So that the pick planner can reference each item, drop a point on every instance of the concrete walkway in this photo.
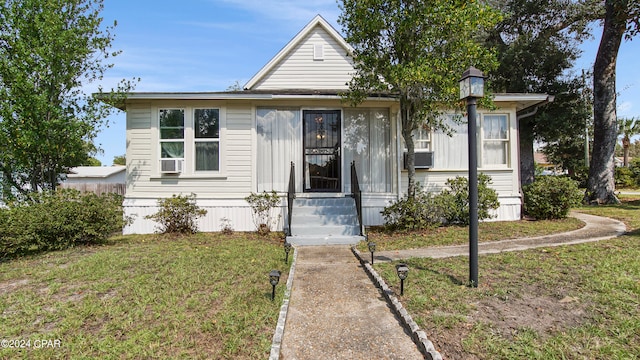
(335, 311)
(596, 228)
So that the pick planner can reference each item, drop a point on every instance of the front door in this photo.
(322, 146)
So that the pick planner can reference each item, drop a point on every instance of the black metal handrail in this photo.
(291, 194)
(357, 194)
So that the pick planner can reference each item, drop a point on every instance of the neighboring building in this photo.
(97, 179)
(548, 168)
(222, 146)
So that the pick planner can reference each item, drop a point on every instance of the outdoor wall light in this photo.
(287, 248)
(402, 270)
(372, 249)
(274, 278)
(471, 88)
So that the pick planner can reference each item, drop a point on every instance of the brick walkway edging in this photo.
(282, 318)
(419, 337)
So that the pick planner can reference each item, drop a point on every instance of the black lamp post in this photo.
(274, 278)
(402, 270)
(471, 88)
(372, 249)
(287, 248)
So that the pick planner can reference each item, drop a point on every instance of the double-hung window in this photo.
(422, 139)
(190, 140)
(172, 134)
(206, 130)
(495, 140)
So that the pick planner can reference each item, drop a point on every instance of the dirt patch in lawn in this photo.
(8, 286)
(545, 315)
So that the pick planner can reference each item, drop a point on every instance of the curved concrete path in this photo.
(336, 312)
(596, 228)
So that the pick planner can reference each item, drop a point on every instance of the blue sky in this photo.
(208, 45)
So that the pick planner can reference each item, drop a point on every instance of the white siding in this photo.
(299, 70)
(144, 179)
(237, 211)
(505, 182)
(139, 145)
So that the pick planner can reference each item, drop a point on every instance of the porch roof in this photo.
(522, 101)
(290, 94)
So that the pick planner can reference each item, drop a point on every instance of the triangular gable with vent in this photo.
(317, 58)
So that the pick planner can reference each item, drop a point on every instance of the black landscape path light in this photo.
(472, 88)
(402, 270)
(372, 249)
(274, 278)
(287, 248)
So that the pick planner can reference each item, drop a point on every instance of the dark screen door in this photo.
(322, 150)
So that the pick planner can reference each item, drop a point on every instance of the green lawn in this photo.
(457, 235)
(204, 296)
(570, 302)
(208, 296)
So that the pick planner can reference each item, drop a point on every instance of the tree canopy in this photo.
(49, 52)
(416, 50)
(537, 45)
(120, 160)
(627, 128)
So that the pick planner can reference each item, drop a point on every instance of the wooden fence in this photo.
(118, 188)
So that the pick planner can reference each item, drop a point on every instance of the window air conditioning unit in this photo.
(424, 160)
(171, 166)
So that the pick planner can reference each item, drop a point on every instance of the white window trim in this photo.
(481, 142)
(184, 133)
(417, 139)
(189, 143)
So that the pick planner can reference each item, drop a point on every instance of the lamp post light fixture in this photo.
(402, 270)
(372, 249)
(274, 278)
(287, 248)
(471, 88)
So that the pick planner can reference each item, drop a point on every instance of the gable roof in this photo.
(95, 171)
(317, 21)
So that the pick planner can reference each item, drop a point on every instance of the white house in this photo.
(222, 146)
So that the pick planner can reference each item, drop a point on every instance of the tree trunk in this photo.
(527, 161)
(626, 143)
(601, 185)
(407, 130)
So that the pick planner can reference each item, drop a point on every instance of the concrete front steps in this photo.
(324, 221)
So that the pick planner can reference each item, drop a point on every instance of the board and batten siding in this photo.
(299, 70)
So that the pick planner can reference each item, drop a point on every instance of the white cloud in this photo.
(299, 12)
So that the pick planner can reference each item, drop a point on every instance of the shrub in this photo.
(551, 197)
(455, 200)
(226, 227)
(177, 215)
(57, 220)
(580, 174)
(262, 205)
(416, 213)
(624, 177)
